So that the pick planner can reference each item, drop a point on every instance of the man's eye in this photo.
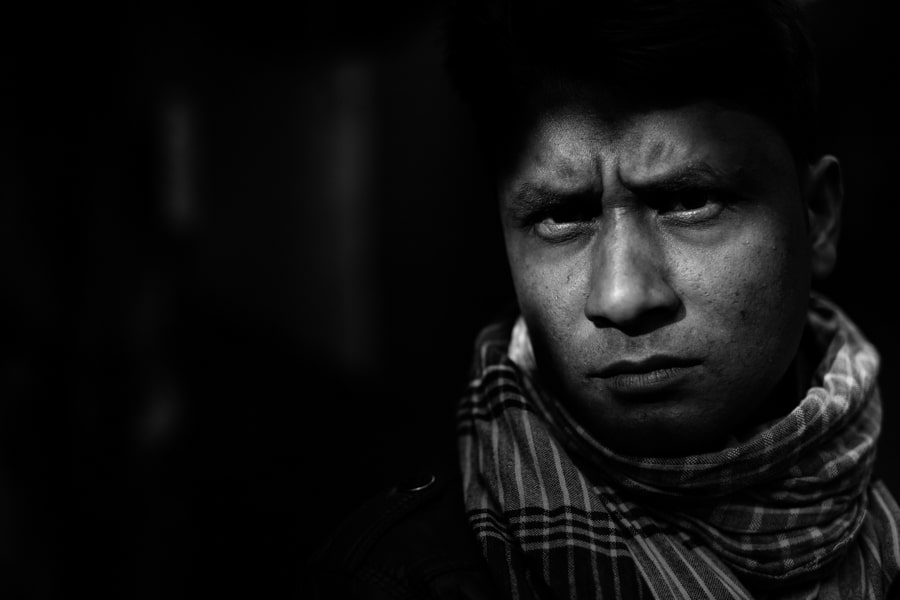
(689, 207)
(562, 222)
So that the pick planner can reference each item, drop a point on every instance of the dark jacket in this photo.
(410, 542)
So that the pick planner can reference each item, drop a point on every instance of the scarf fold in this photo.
(787, 512)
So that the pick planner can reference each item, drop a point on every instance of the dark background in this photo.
(244, 256)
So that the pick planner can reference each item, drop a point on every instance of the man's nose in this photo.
(629, 279)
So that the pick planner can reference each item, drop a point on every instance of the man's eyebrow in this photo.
(689, 176)
(529, 196)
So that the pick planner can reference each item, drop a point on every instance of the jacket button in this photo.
(418, 482)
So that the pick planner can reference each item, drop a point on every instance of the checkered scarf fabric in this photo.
(789, 512)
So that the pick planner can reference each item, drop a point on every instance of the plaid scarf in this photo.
(788, 512)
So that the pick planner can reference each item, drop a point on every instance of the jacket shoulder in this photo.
(410, 541)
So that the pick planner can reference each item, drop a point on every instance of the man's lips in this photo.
(651, 374)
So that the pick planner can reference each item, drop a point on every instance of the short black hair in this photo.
(511, 58)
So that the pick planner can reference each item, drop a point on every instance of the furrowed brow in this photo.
(689, 176)
(529, 197)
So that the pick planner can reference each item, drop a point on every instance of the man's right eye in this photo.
(563, 222)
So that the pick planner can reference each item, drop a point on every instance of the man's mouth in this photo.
(646, 375)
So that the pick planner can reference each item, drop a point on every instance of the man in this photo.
(672, 412)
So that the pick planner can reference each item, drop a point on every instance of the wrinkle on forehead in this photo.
(577, 150)
(567, 148)
(728, 141)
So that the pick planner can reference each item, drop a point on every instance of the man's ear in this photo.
(824, 196)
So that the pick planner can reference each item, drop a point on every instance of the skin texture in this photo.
(689, 235)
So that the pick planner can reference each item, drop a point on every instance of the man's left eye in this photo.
(689, 206)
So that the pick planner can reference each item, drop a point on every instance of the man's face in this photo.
(662, 264)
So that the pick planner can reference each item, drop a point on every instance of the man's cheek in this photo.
(745, 313)
(728, 279)
(546, 286)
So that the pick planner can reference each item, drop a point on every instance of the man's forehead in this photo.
(575, 148)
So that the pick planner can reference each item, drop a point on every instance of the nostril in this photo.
(643, 322)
